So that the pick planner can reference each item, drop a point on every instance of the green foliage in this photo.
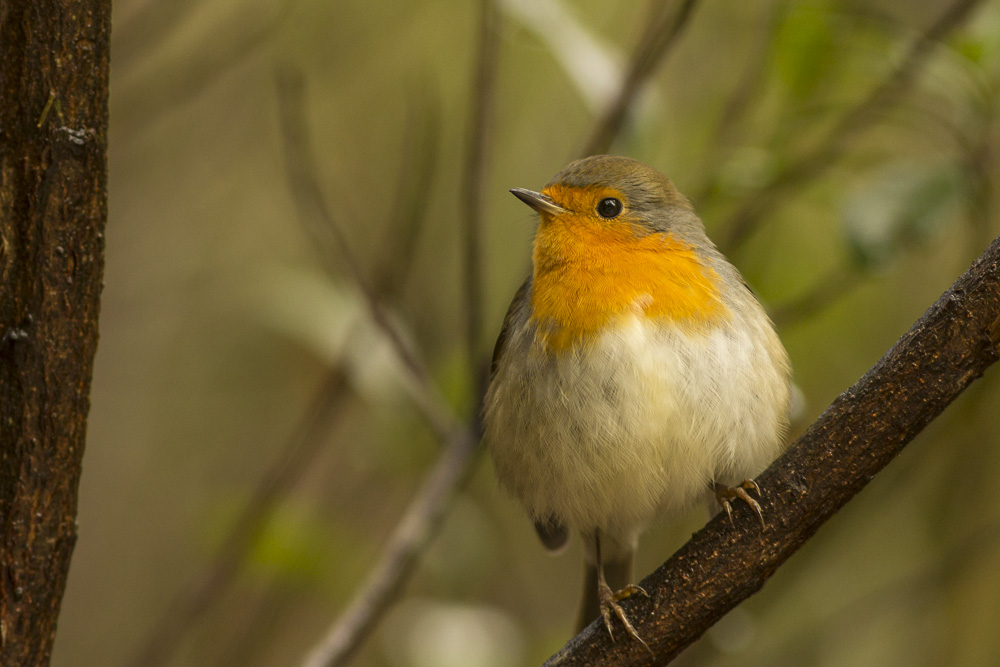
(897, 206)
(805, 52)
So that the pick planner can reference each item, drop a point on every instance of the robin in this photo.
(635, 372)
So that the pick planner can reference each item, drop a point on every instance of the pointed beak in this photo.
(538, 201)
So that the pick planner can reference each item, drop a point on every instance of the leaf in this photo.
(902, 204)
(805, 48)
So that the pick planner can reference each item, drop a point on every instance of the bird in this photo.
(635, 374)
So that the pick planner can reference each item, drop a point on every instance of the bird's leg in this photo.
(608, 599)
(724, 494)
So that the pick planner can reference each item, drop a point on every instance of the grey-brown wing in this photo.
(551, 531)
(512, 312)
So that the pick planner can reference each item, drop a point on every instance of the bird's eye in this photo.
(609, 207)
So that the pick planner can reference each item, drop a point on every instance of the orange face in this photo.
(590, 271)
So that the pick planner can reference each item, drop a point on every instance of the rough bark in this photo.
(53, 207)
(862, 430)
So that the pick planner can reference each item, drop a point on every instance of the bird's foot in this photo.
(608, 601)
(725, 494)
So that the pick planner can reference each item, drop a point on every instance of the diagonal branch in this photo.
(865, 428)
(428, 508)
(662, 33)
(745, 93)
(473, 188)
(304, 443)
(311, 432)
(328, 230)
(814, 163)
(399, 556)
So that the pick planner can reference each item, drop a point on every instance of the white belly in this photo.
(644, 422)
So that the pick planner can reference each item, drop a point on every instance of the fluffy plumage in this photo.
(635, 368)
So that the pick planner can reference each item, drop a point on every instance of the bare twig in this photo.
(408, 540)
(661, 34)
(867, 426)
(474, 186)
(838, 282)
(145, 95)
(417, 170)
(425, 512)
(311, 431)
(741, 99)
(813, 163)
(305, 441)
(328, 231)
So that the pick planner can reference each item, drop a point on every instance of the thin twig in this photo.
(426, 511)
(415, 182)
(661, 34)
(838, 282)
(813, 163)
(320, 222)
(739, 102)
(419, 524)
(304, 443)
(311, 431)
(474, 186)
(862, 431)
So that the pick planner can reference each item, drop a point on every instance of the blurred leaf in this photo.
(969, 47)
(426, 633)
(805, 48)
(334, 323)
(898, 206)
(296, 546)
(594, 67)
(979, 42)
(750, 168)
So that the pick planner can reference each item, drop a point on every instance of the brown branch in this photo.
(414, 531)
(814, 163)
(312, 429)
(662, 33)
(304, 443)
(417, 169)
(53, 209)
(473, 189)
(425, 512)
(865, 428)
(146, 96)
(328, 231)
(746, 91)
(835, 284)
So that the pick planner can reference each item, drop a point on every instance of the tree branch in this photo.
(328, 231)
(54, 59)
(473, 189)
(664, 29)
(399, 556)
(311, 431)
(304, 444)
(862, 430)
(814, 163)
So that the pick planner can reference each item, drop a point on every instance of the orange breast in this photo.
(588, 274)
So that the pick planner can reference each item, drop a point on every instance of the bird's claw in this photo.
(724, 494)
(609, 604)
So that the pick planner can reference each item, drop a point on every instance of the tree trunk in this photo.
(53, 207)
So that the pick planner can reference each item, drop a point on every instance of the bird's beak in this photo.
(538, 201)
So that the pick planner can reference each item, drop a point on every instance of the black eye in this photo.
(609, 207)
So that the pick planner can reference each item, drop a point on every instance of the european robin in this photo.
(635, 373)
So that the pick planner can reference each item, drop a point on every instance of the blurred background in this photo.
(229, 320)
